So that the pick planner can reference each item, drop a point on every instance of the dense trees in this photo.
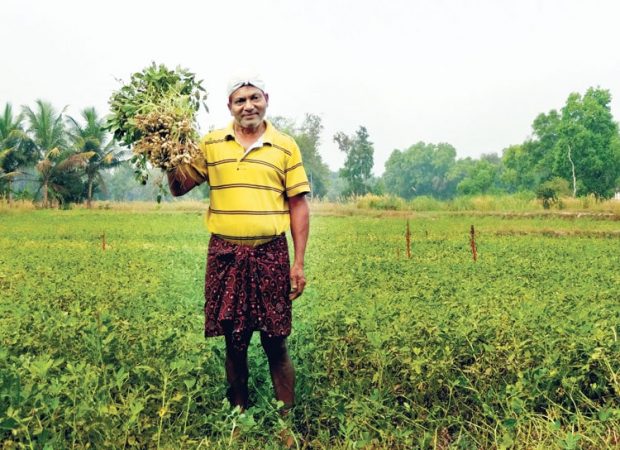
(422, 169)
(62, 156)
(579, 144)
(587, 152)
(482, 176)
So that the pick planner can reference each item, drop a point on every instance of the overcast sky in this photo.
(470, 73)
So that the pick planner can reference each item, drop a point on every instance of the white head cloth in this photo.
(240, 81)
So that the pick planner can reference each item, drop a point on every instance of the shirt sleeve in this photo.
(198, 169)
(296, 180)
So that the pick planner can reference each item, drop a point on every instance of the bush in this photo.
(550, 191)
(426, 203)
(382, 202)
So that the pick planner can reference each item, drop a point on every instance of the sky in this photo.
(474, 74)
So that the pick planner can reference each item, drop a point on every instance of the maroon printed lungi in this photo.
(247, 288)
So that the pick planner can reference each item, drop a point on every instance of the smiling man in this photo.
(257, 192)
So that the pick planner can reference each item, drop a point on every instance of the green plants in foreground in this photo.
(519, 350)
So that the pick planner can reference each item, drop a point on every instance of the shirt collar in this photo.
(267, 136)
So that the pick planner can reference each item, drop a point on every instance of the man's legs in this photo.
(237, 371)
(281, 368)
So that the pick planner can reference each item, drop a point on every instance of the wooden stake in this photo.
(408, 240)
(472, 241)
(103, 241)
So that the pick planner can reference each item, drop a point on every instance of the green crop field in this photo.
(104, 348)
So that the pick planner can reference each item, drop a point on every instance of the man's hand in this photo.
(298, 281)
(184, 178)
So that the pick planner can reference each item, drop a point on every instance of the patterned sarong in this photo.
(248, 288)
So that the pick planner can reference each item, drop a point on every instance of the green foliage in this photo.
(550, 191)
(519, 174)
(357, 170)
(150, 90)
(422, 169)
(589, 144)
(469, 358)
(155, 113)
(46, 128)
(58, 164)
(16, 152)
(91, 137)
(427, 203)
(519, 349)
(520, 202)
(580, 144)
(60, 177)
(13, 150)
(381, 202)
(482, 178)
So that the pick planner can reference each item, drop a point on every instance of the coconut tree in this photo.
(15, 149)
(58, 162)
(92, 138)
(60, 174)
(47, 133)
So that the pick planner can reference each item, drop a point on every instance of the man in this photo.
(257, 191)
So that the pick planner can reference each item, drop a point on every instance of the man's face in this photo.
(248, 105)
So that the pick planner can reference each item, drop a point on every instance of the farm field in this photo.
(104, 348)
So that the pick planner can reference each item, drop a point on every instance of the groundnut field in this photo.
(399, 342)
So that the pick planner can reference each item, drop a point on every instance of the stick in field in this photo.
(472, 241)
(408, 240)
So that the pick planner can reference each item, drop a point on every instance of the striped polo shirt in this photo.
(250, 190)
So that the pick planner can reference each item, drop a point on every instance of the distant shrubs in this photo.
(513, 202)
(382, 202)
(552, 195)
(426, 203)
(521, 201)
(550, 192)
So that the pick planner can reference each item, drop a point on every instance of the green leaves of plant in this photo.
(145, 92)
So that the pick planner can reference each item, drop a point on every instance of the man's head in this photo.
(247, 101)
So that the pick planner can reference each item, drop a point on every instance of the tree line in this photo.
(55, 159)
(574, 151)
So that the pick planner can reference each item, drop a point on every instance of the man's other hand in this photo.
(298, 282)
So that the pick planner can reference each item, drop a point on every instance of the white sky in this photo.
(474, 74)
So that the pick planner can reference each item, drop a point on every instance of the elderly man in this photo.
(257, 191)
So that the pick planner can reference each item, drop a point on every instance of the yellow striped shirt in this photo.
(249, 192)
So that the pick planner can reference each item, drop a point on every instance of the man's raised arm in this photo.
(184, 178)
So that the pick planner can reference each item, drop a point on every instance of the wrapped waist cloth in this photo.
(247, 289)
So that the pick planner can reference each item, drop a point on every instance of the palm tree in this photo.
(9, 128)
(57, 161)
(93, 138)
(15, 151)
(59, 176)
